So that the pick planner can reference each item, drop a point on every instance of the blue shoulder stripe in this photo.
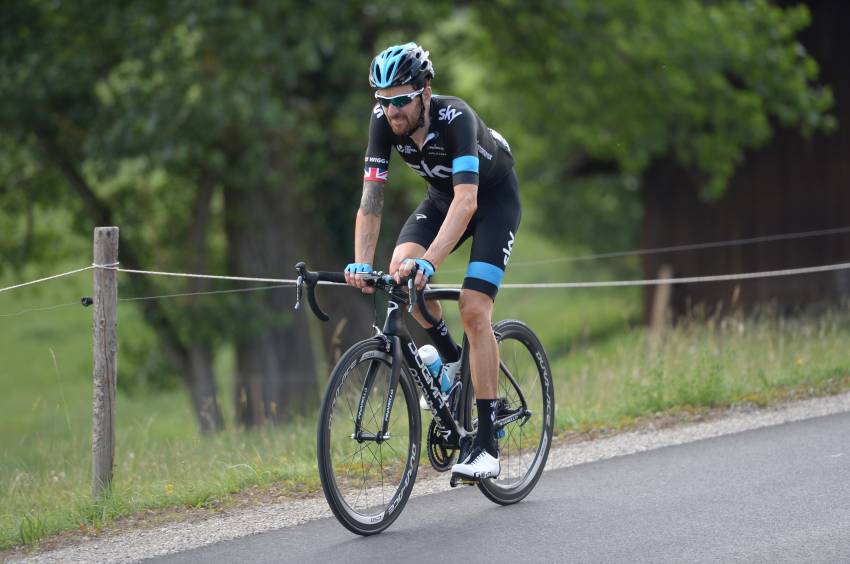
(467, 163)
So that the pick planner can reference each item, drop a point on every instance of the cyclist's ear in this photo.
(426, 94)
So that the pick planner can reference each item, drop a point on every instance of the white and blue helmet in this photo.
(399, 65)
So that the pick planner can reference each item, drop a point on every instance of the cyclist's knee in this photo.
(403, 251)
(476, 311)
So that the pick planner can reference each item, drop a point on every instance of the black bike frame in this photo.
(400, 345)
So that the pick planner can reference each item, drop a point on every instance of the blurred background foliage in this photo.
(227, 138)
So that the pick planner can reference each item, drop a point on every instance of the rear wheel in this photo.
(525, 387)
(367, 482)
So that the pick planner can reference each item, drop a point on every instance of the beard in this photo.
(403, 123)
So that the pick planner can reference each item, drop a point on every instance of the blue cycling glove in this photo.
(425, 267)
(358, 268)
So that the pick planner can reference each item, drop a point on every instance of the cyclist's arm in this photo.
(462, 140)
(461, 210)
(368, 223)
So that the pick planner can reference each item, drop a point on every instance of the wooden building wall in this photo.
(792, 184)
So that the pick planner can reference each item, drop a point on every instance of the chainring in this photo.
(440, 455)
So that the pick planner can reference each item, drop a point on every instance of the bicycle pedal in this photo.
(460, 480)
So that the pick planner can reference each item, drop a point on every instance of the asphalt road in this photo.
(776, 494)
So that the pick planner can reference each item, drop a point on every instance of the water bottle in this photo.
(434, 364)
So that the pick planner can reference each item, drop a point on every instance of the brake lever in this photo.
(299, 283)
(411, 289)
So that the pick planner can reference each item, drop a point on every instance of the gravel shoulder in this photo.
(194, 532)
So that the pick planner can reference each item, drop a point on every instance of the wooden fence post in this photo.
(105, 350)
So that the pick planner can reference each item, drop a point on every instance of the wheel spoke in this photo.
(398, 454)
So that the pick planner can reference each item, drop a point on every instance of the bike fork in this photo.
(359, 435)
(401, 351)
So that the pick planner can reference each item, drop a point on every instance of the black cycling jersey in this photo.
(459, 148)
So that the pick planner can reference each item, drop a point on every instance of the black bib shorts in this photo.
(493, 230)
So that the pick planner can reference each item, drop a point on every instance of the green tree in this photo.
(221, 137)
(611, 87)
(53, 58)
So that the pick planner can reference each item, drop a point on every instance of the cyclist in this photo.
(472, 192)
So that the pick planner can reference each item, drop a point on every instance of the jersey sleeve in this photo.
(380, 144)
(464, 132)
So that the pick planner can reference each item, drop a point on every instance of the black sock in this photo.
(446, 346)
(486, 436)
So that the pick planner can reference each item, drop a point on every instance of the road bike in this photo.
(369, 432)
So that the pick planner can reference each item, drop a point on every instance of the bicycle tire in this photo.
(522, 461)
(362, 507)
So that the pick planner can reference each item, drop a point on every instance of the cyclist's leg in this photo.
(496, 222)
(476, 311)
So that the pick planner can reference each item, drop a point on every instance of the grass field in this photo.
(606, 374)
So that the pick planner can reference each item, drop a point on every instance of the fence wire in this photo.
(288, 282)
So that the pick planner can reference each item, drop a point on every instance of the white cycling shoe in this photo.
(479, 465)
(451, 369)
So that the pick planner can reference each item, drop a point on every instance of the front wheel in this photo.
(525, 385)
(367, 482)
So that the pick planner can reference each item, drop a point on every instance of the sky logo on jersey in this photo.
(378, 111)
(448, 114)
(375, 174)
(438, 171)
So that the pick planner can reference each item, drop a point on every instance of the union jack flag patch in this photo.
(375, 174)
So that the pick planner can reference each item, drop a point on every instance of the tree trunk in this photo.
(253, 365)
(275, 369)
(202, 388)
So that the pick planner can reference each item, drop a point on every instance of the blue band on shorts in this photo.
(485, 271)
